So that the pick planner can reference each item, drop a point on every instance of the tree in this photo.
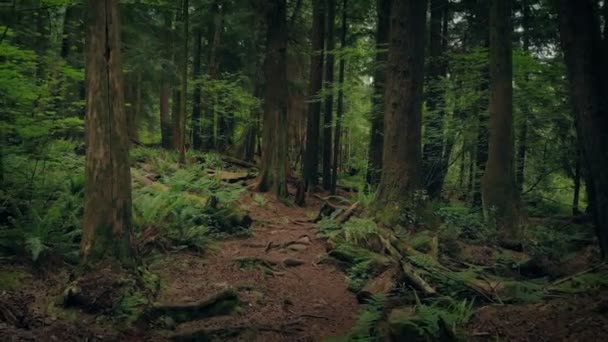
(197, 141)
(374, 167)
(586, 57)
(329, 101)
(499, 190)
(311, 154)
(165, 89)
(273, 175)
(340, 109)
(401, 163)
(522, 148)
(107, 210)
(181, 139)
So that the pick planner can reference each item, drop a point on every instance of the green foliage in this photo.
(358, 231)
(433, 316)
(365, 328)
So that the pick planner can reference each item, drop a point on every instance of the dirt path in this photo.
(307, 302)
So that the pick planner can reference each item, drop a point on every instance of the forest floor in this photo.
(286, 290)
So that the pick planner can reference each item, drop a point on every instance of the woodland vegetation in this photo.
(344, 170)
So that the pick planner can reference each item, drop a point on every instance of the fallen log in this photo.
(346, 215)
(237, 162)
(230, 176)
(222, 303)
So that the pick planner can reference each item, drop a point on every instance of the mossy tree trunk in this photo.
(586, 58)
(374, 166)
(273, 175)
(402, 164)
(197, 141)
(107, 208)
(500, 192)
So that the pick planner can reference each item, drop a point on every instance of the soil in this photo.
(579, 318)
(307, 302)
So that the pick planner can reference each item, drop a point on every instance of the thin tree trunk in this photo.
(273, 175)
(523, 132)
(197, 141)
(184, 91)
(402, 161)
(588, 74)
(329, 101)
(107, 206)
(374, 166)
(340, 109)
(311, 155)
(211, 141)
(165, 116)
(499, 190)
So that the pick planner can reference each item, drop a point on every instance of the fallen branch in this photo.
(238, 162)
(222, 303)
(345, 216)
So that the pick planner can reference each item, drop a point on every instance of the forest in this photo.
(303, 170)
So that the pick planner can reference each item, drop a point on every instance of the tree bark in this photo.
(402, 164)
(273, 174)
(329, 101)
(374, 166)
(311, 156)
(588, 74)
(210, 139)
(340, 109)
(107, 206)
(499, 190)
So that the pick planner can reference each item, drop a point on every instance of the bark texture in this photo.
(499, 190)
(402, 164)
(588, 76)
(107, 207)
(311, 155)
(273, 174)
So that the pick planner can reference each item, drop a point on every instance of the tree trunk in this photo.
(197, 141)
(402, 164)
(374, 166)
(311, 156)
(499, 191)
(181, 139)
(340, 109)
(273, 174)
(435, 166)
(329, 101)
(175, 108)
(523, 132)
(577, 184)
(588, 74)
(107, 207)
(166, 128)
(210, 140)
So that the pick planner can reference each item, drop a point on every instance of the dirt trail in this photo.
(307, 302)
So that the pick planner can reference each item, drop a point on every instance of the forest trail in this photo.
(284, 292)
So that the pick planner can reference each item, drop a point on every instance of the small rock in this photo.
(289, 262)
(297, 247)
